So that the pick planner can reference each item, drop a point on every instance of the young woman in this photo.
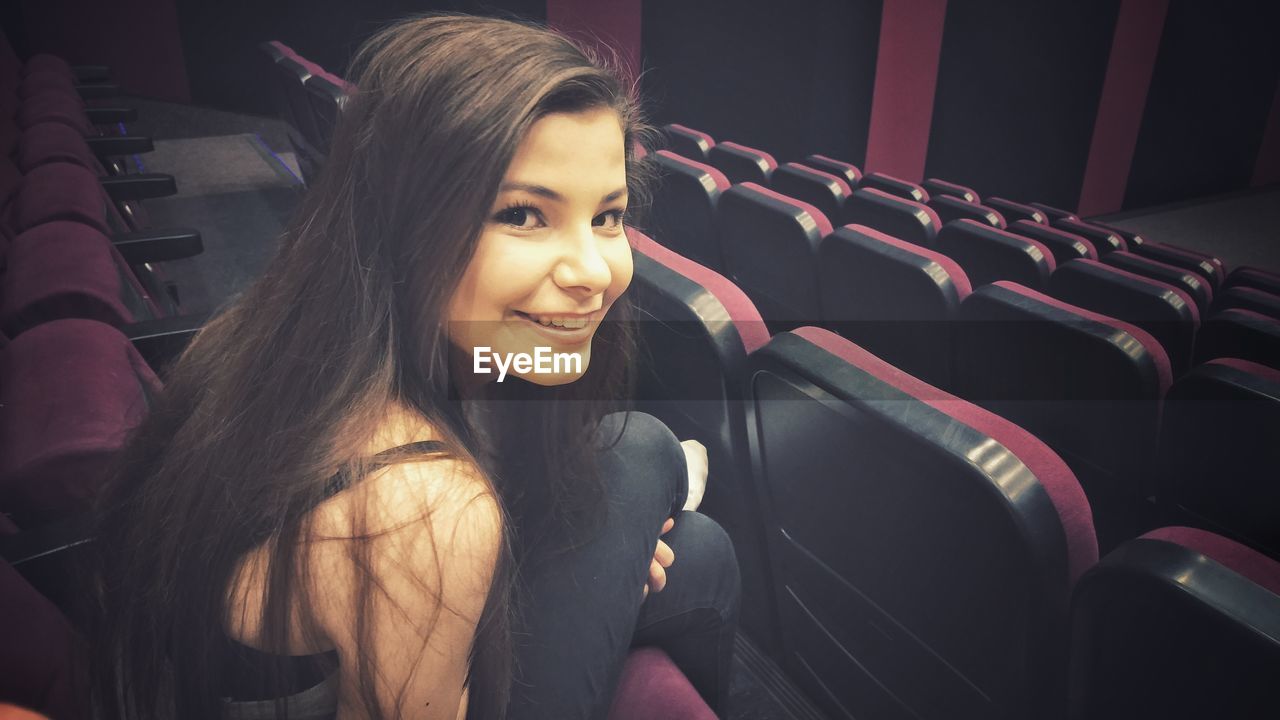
(331, 510)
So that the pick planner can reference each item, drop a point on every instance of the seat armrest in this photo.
(91, 73)
(159, 245)
(110, 115)
(162, 340)
(98, 91)
(114, 145)
(140, 186)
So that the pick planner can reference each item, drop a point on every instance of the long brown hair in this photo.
(287, 384)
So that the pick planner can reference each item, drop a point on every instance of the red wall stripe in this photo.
(1267, 169)
(610, 26)
(1124, 97)
(906, 76)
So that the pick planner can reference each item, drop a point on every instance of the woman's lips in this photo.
(560, 334)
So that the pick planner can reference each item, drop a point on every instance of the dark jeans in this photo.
(585, 608)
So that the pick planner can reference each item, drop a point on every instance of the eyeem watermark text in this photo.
(541, 362)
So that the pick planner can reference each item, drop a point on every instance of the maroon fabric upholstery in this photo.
(58, 270)
(69, 391)
(1053, 474)
(40, 81)
(37, 652)
(1239, 558)
(9, 134)
(745, 317)
(56, 107)
(1249, 298)
(59, 191)
(48, 142)
(44, 62)
(1265, 371)
(1254, 277)
(1199, 261)
(1163, 371)
(653, 688)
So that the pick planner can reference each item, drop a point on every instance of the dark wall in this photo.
(1017, 96)
(1214, 84)
(790, 78)
(220, 39)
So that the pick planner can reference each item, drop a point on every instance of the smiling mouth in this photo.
(565, 323)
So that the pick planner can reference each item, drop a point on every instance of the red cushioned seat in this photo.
(893, 298)
(770, 243)
(920, 541)
(697, 329)
(845, 171)
(1240, 333)
(38, 654)
(895, 186)
(1193, 284)
(1254, 277)
(653, 688)
(1247, 298)
(1065, 246)
(687, 142)
(1102, 239)
(69, 391)
(936, 188)
(988, 254)
(742, 164)
(904, 219)
(684, 203)
(1015, 211)
(822, 190)
(1177, 624)
(950, 207)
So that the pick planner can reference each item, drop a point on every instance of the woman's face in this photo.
(552, 257)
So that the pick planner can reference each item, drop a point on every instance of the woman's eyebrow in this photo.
(548, 193)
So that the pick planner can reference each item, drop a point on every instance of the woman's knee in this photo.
(704, 554)
(642, 443)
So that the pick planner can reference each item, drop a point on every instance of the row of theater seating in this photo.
(910, 554)
(87, 324)
(78, 298)
(1082, 354)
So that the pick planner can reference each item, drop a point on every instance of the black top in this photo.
(246, 670)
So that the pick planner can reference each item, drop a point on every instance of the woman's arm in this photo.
(434, 535)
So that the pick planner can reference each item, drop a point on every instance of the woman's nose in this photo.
(581, 266)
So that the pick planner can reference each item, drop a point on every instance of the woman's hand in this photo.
(663, 556)
(695, 456)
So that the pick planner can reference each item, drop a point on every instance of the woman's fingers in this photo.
(657, 576)
(664, 555)
(666, 526)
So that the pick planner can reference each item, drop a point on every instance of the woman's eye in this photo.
(611, 219)
(520, 216)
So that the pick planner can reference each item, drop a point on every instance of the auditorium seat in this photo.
(1015, 211)
(936, 188)
(950, 207)
(1179, 624)
(69, 391)
(925, 548)
(1193, 284)
(289, 73)
(697, 329)
(687, 142)
(906, 220)
(895, 186)
(1169, 314)
(849, 173)
(1247, 298)
(824, 191)
(893, 298)
(1239, 333)
(64, 269)
(1063, 245)
(651, 687)
(742, 164)
(326, 96)
(770, 243)
(39, 655)
(1254, 277)
(1103, 240)
(1088, 385)
(1053, 214)
(1218, 451)
(1207, 266)
(48, 142)
(988, 254)
(684, 203)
